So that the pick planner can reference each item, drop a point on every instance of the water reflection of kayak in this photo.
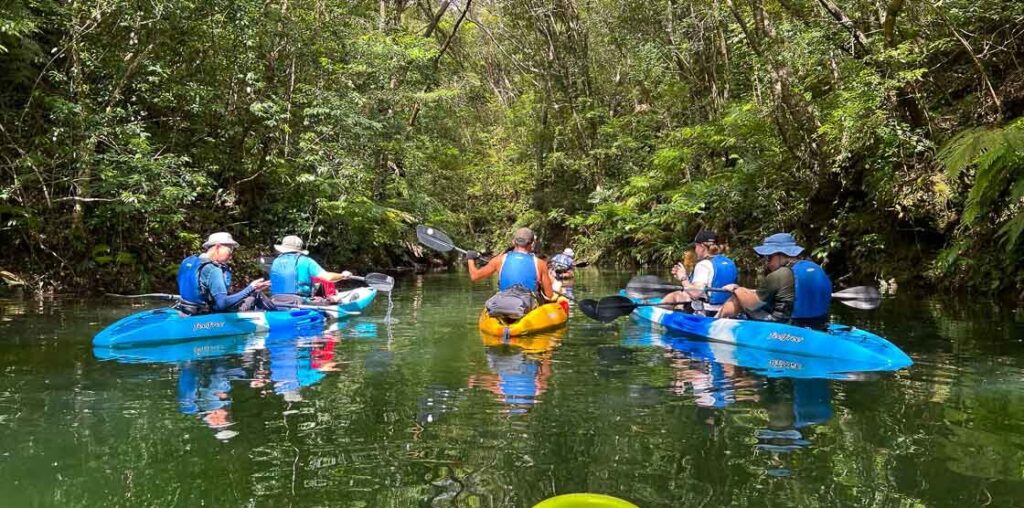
(760, 361)
(198, 349)
(537, 343)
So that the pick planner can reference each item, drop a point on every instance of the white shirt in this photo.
(703, 274)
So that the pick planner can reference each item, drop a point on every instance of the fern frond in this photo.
(1013, 228)
(960, 152)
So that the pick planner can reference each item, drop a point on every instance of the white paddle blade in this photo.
(380, 282)
(858, 293)
(861, 304)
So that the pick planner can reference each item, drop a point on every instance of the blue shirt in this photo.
(306, 269)
(212, 281)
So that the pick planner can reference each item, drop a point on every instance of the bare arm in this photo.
(489, 269)
(333, 276)
(545, 279)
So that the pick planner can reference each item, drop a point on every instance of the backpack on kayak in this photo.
(511, 304)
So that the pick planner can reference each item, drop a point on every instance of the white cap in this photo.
(568, 252)
(221, 238)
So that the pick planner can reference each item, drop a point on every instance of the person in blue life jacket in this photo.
(561, 271)
(518, 266)
(713, 269)
(562, 264)
(204, 281)
(796, 291)
(292, 273)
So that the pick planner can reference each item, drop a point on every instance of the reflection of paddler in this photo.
(290, 367)
(207, 393)
(713, 382)
(321, 355)
(809, 403)
(520, 368)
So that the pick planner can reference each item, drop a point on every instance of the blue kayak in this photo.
(169, 325)
(356, 300)
(839, 342)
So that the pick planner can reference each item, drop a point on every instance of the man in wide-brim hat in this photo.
(293, 275)
(205, 279)
(796, 291)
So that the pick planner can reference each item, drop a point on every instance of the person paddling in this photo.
(292, 274)
(204, 281)
(713, 269)
(561, 271)
(796, 291)
(520, 272)
(563, 264)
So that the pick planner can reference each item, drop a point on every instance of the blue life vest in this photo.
(725, 274)
(189, 287)
(561, 261)
(813, 291)
(284, 276)
(519, 268)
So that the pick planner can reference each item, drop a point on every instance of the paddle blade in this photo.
(858, 293)
(379, 281)
(607, 309)
(434, 238)
(860, 297)
(588, 307)
(265, 262)
(862, 304)
(649, 286)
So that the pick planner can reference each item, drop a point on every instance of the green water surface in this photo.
(425, 412)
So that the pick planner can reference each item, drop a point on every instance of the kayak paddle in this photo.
(162, 296)
(859, 297)
(437, 240)
(329, 310)
(378, 281)
(610, 308)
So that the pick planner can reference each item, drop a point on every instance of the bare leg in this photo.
(675, 299)
(742, 299)
(729, 309)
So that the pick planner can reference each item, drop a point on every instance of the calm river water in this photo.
(426, 412)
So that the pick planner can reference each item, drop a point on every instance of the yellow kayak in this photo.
(546, 317)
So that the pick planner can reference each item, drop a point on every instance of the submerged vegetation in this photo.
(887, 134)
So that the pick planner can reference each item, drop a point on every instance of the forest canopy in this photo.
(886, 134)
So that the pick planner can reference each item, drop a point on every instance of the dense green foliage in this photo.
(885, 133)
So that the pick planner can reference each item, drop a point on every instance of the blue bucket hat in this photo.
(779, 243)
